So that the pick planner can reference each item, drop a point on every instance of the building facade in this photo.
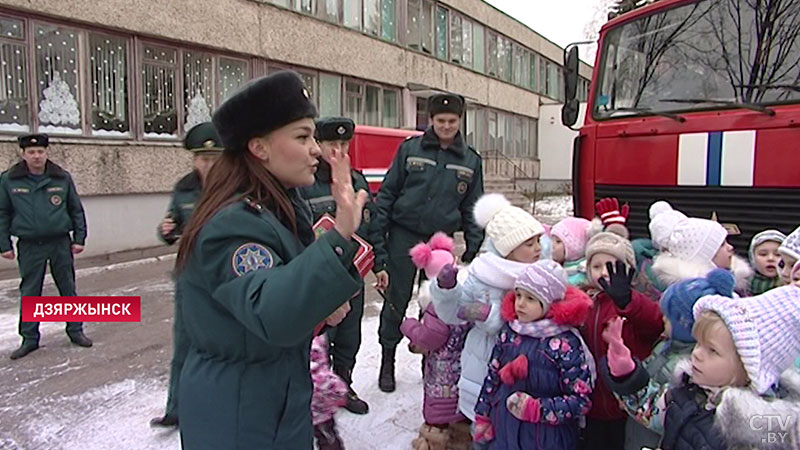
(117, 83)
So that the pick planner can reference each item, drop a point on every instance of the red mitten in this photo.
(610, 212)
(515, 370)
(524, 407)
(484, 432)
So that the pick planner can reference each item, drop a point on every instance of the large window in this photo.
(56, 51)
(233, 74)
(370, 104)
(330, 95)
(108, 69)
(160, 84)
(441, 32)
(14, 110)
(198, 91)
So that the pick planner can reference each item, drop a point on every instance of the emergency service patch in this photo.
(55, 200)
(461, 187)
(249, 257)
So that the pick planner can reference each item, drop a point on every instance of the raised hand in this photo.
(349, 205)
(619, 358)
(618, 285)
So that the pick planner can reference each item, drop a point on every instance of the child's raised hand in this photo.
(619, 358)
(618, 286)
(447, 277)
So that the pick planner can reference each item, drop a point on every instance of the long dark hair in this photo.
(235, 172)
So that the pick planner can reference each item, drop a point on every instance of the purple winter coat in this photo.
(443, 344)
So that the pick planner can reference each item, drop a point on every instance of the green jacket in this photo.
(254, 293)
(428, 189)
(47, 208)
(184, 198)
(320, 201)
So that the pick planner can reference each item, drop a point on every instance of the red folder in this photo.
(365, 257)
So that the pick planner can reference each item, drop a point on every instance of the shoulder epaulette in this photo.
(252, 205)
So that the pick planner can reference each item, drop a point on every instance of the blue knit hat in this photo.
(679, 299)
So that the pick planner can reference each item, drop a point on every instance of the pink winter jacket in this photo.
(443, 344)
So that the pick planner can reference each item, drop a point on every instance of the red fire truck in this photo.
(696, 102)
(372, 150)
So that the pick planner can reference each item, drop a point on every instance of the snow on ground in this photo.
(554, 208)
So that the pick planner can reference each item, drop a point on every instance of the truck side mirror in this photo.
(569, 112)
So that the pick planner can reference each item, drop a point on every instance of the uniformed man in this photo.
(203, 141)
(336, 133)
(40, 205)
(431, 186)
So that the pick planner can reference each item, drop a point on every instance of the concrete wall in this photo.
(555, 143)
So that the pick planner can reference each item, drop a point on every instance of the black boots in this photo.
(80, 339)
(386, 379)
(167, 421)
(24, 349)
(327, 437)
(354, 404)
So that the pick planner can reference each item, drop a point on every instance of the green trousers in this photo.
(33, 256)
(402, 274)
(345, 338)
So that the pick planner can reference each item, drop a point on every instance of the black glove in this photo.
(618, 287)
(467, 257)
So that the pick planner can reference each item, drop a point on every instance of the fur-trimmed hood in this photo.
(670, 270)
(750, 421)
(571, 311)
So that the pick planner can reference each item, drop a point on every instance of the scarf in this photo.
(545, 328)
(495, 271)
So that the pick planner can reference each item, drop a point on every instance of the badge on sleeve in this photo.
(249, 257)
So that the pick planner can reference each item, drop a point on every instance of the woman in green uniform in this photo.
(254, 280)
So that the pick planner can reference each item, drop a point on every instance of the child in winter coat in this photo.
(610, 267)
(764, 258)
(569, 238)
(442, 345)
(790, 255)
(692, 247)
(646, 280)
(512, 242)
(640, 384)
(330, 393)
(737, 375)
(541, 372)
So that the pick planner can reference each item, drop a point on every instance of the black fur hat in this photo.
(334, 129)
(261, 106)
(445, 103)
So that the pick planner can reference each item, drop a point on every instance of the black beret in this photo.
(34, 140)
(262, 105)
(334, 129)
(203, 138)
(445, 103)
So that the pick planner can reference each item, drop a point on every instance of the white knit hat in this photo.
(696, 239)
(765, 330)
(546, 280)
(507, 226)
(663, 219)
(760, 238)
(791, 245)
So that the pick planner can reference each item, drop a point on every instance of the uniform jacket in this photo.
(256, 291)
(428, 189)
(47, 208)
(184, 199)
(640, 333)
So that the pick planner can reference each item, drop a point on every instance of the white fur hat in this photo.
(663, 219)
(507, 226)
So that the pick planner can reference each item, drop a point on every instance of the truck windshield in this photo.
(727, 52)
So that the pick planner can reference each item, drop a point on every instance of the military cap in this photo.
(33, 140)
(203, 138)
(445, 103)
(334, 129)
(262, 105)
